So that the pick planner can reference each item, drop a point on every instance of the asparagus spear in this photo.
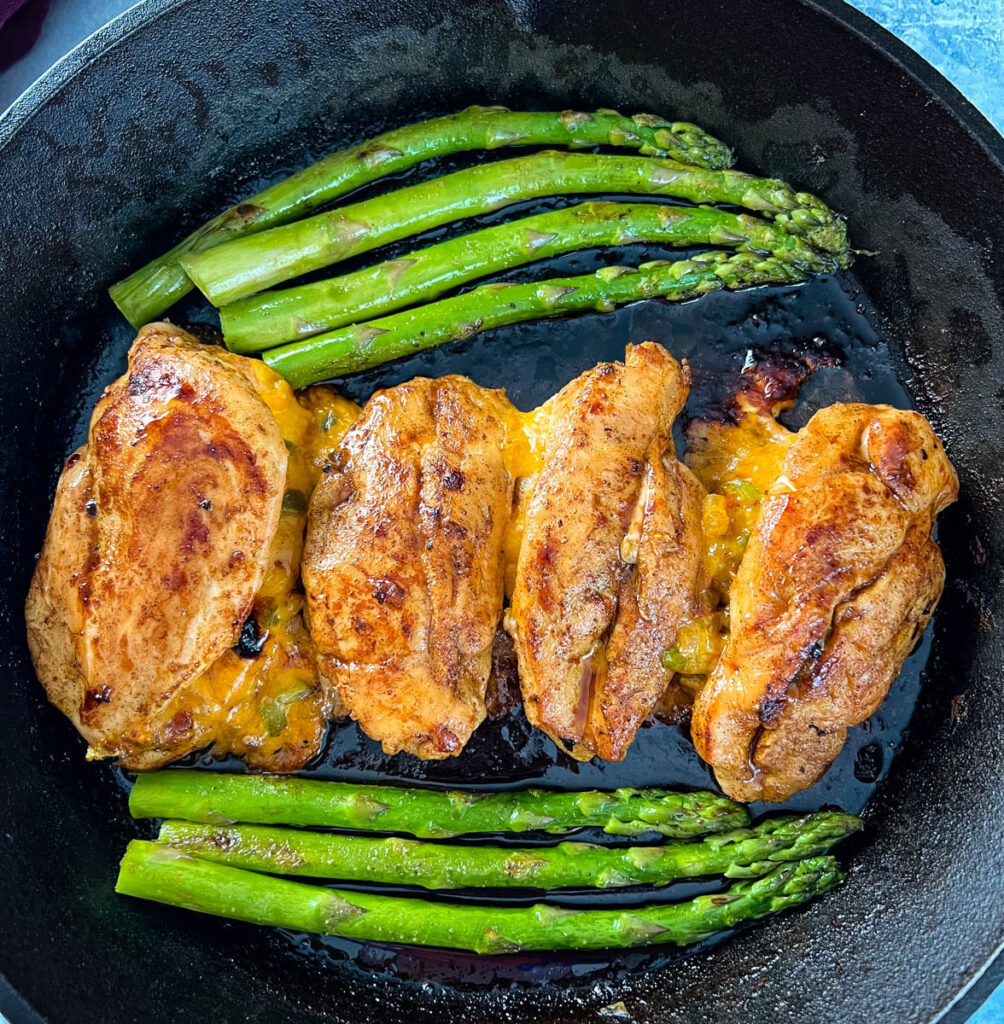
(361, 346)
(168, 875)
(744, 853)
(150, 290)
(247, 265)
(220, 799)
(271, 318)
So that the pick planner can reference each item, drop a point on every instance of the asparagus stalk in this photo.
(146, 293)
(247, 265)
(168, 875)
(271, 318)
(362, 346)
(744, 853)
(221, 799)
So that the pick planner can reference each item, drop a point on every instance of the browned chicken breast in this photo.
(610, 564)
(838, 581)
(170, 527)
(403, 567)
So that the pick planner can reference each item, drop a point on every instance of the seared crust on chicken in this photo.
(837, 584)
(610, 562)
(157, 543)
(403, 563)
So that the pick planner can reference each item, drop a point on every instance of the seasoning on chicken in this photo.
(403, 566)
(610, 564)
(175, 537)
(838, 581)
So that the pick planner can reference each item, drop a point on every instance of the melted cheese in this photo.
(270, 709)
(737, 464)
(522, 453)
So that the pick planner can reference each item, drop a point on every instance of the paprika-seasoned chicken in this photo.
(610, 564)
(165, 616)
(838, 581)
(181, 516)
(403, 566)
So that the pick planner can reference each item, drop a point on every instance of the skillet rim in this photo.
(986, 976)
(52, 81)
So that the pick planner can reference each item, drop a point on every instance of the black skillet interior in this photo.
(193, 106)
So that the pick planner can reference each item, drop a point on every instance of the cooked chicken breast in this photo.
(167, 525)
(610, 563)
(837, 583)
(403, 566)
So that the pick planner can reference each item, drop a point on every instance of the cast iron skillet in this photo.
(181, 106)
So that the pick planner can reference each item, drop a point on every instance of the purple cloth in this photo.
(20, 24)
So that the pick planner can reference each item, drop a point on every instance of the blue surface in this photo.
(963, 39)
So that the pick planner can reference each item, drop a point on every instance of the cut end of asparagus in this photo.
(144, 295)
